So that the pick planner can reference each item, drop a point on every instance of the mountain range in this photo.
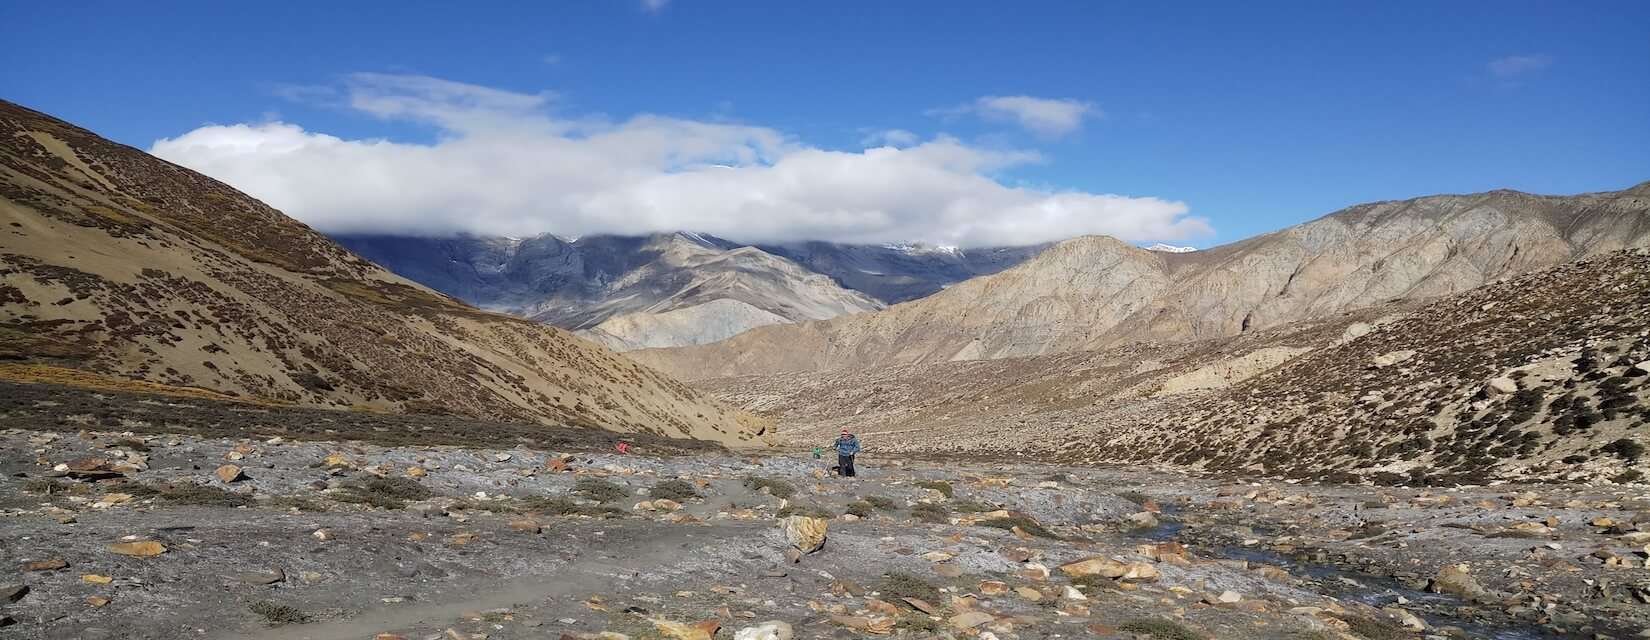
(675, 289)
(1096, 292)
(124, 272)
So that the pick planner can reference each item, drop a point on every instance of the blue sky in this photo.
(1215, 120)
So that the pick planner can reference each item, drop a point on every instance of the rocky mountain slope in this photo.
(1545, 375)
(1096, 292)
(625, 292)
(121, 271)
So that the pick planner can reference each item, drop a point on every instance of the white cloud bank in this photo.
(504, 165)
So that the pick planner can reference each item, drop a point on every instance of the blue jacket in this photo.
(847, 446)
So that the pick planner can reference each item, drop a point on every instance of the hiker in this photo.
(623, 447)
(847, 446)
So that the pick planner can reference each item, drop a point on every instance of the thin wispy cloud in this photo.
(552, 59)
(510, 163)
(1047, 117)
(890, 138)
(654, 6)
(1517, 66)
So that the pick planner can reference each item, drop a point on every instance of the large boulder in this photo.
(804, 533)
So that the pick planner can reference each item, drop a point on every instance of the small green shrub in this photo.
(898, 584)
(1024, 523)
(678, 490)
(278, 614)
(861, 508)
(202, 496)
(931, 513)
(384, 493)
(809, 510)
(881, 502)
(941, 486)
(918, 623)
(564, 506)
(1160, 629)
(972, 506)
(600, 490)
(777, 488)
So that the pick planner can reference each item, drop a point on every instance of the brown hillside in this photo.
(115, 265)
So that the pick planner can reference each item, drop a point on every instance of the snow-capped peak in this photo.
(922, 247)
(1169, 248)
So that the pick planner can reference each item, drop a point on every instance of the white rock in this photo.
(770, 630)
(1503, 385)
(1393, 357)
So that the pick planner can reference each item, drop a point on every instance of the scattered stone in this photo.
(875, 625)
(97, 602)
(1142, 520)
(92, 578)
(1392, 357)
(323, 534)
(261, 578)
(46, 565)
(1501, 386)
(969, 619)
(1454, 579)
(526, 526)
(1029, 593)
(140, 549)
(13, 592)
(922, 605)
(230, 473)
(703, 630)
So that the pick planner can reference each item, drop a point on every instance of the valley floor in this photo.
(316, 539)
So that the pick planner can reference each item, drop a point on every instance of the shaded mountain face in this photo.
(899, 273)
(121, 271)
(1097, 292)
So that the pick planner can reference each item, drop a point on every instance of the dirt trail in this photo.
(594, 571)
